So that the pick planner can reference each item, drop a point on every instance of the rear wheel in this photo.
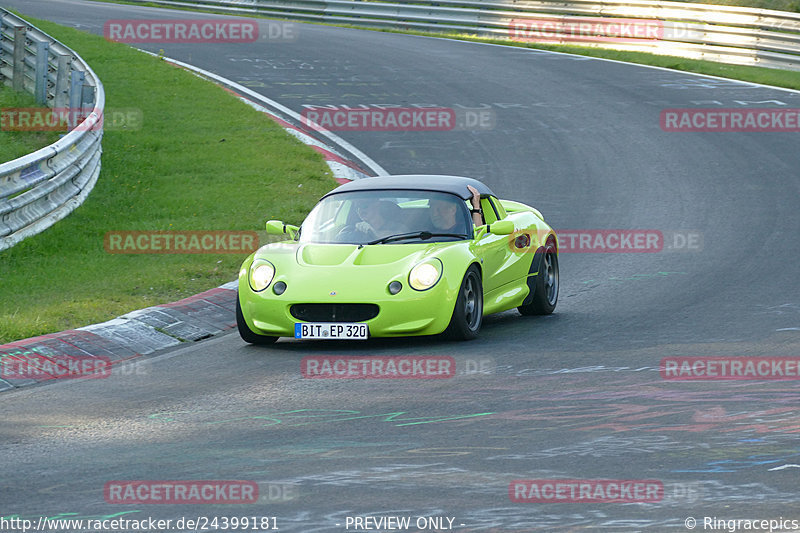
(545, 296)
(246, 333)
(468, 313)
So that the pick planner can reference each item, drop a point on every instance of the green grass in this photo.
(780, 5)
(14, 144)
(202, 160)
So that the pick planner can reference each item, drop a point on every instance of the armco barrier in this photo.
(740, 35)
(41, 188)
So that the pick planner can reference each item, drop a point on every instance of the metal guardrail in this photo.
(39, 189)
(739, 35)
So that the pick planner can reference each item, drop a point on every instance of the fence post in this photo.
(2, 59)
(18, 78)
(42, 67)
(77, 79)
(61, 90)
(88, 94)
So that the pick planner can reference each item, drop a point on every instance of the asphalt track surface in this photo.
(575, 395)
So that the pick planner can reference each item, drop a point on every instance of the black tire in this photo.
(246, 333)
(468, 313)
(545, 296)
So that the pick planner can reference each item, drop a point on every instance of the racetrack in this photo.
(575, 395)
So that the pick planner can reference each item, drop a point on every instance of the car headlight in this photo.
(261, 274)
(425, 275)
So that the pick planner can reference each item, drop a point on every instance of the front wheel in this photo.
(246, 333)
(468, 313)
(545, 296)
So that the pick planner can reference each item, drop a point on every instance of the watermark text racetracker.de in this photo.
(577, 29)
(181, 242)
(609, 241)
(377, 367)
(200, 31)
(555, 29)
(586, 491)
(69, 118)
(388, 117)
(181, 492)
(41, 367)
(730, 120)
(729, 368)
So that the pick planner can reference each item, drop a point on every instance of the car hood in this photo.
(377, 254)
(351, 255)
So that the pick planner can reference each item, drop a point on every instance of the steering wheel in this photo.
(349, 233)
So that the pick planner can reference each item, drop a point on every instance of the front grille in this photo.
(334, 312)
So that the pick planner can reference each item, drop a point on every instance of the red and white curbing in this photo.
(145, 331)
(134, 334)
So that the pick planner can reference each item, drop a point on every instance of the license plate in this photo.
(331, 330)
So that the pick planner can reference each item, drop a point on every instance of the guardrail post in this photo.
(2, 52)
(77, 79)
(87, 94)
(42, 67)
(61, 90)
(18, 78)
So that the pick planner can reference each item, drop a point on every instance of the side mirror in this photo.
(277, 227)
(501, 227)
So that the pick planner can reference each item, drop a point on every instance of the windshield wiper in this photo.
(422, 235)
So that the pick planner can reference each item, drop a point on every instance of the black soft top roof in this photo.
(417, 182)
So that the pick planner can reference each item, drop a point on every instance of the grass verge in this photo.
(14, 144)
(201, 160)
(779, 5)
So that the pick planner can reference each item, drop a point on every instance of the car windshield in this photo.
(388, 217)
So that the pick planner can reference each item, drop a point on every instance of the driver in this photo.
(379, 219)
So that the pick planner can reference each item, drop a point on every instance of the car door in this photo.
(501, 264)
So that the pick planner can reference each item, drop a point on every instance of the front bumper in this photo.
(408, 312)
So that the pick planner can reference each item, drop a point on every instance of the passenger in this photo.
(444, 214)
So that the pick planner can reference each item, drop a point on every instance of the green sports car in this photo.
(397, 256)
